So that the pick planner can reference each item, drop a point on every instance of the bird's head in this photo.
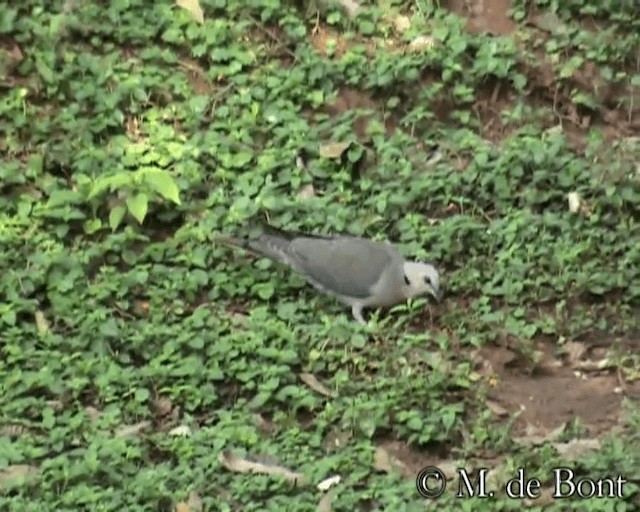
(421, 278)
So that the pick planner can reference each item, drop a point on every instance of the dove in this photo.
(359, 272)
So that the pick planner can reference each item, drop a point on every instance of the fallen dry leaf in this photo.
(350, 7)
(496, 408)
(333, 149)
(162, 406)
(193, 7)
(180, 431)
(402, 23)
(577, 448)
(141, 308)
(239, 465)
(497, 476)
(56, 405)
(13, 430)
(536, 436)
(574, 200)
(421, 43)
(449, 468)
(311, 381)
(194, 502)
(328, 483)
(42, 326)
(17, 474)
(263, 424)
(574, 351)
(384, 461)
(307, 192)
(93, 413)
(131, 430)
(324, 505)
(595, 366)
(335, 439)
(545, 498)
(549, 22)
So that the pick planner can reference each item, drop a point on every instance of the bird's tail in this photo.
(270, 242)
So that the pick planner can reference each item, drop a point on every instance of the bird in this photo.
(359, 272)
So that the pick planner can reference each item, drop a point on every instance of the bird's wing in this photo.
(346, 266)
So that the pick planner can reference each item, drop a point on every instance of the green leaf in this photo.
(92, 225)
(114, 182)
(138, 206)
(163, 183)
(265, 290)
(45, 71)
(116, 215)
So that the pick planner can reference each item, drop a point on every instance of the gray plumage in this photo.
(359, 272)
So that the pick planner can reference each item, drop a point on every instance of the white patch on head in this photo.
(421, 278)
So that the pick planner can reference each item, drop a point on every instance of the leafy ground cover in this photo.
(145, 368)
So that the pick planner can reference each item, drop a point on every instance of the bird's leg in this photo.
(356, 311)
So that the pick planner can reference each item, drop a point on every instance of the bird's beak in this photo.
(438, 294)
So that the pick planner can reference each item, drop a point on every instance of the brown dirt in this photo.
(557, 389)
(484, 15)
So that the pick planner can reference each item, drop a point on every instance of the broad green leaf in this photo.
(114, 182)
(163, 183)
(116, 215)
(138, 205)
(91, 226)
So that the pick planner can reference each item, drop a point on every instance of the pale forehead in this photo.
(424, 269)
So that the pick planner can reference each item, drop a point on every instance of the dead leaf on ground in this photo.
(56, 405)
(402, 23)
(496, 408)
(497, 476)
(42, 325)
(93, 413)
(17, 474)
(537, 436)
(549, 22)
(141, 308)
(574, 351)
(421, 43)
(162, 406)
(310, 380)
(324, 505)
(574, 200)
(131, 430)
(263, 424)
(180, 431)
(387, 463)
(193, 504)
(350, 7)
(449, 468)
(13, 430)
(545, 498)
(594, 366)
(307, 192)
(335, 439)
(239, 465)
(577, 448)
(328, 483)
(193, 7)
(333, 149)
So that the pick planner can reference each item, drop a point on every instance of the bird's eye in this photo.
(427, 281)
(406, 280)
